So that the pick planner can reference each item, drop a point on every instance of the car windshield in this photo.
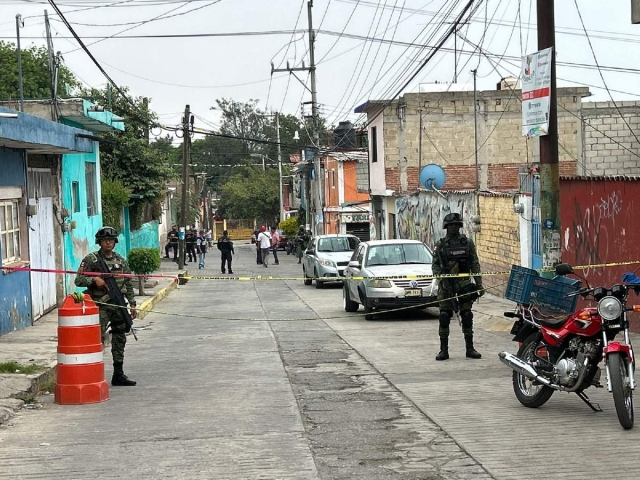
(398, 254)
(337, 244)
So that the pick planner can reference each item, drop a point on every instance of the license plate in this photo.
(413, 292)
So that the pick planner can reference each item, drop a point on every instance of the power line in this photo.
(602, 76)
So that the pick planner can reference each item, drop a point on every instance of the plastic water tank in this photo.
(344, 136)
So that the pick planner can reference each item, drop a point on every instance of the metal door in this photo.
(536, 226)
(41, 242)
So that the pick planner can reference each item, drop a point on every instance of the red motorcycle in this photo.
(560, 351)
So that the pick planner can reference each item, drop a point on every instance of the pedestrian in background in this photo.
(254, 239)
(190, 242)
(275, 243)
(301, 242)
(172, 242)
(201, 245)
(264, 240)
(225, 245)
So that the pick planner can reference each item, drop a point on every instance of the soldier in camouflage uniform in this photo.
(454, 254)
(107, 238)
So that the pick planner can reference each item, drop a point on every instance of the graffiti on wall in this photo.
(597, 231)
(420, 216)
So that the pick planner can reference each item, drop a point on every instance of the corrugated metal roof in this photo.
(351, 156)
(631, 178)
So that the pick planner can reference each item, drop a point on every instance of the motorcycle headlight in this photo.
(379, 283)
(610, 308)
(326, 263)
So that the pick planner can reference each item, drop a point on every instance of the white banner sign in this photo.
(536, 93)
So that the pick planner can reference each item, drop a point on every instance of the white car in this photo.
(327, 257)
(389, 258)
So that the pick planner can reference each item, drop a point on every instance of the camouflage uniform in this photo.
(454, 254)
(301, 242)
(108, 314)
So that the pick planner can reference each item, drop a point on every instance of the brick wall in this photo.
(448, 137)
(498, 243)
(610, 147)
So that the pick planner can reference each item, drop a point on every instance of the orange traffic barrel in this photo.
(80, 369)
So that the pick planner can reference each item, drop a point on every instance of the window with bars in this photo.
(90, 177)
(10, 231)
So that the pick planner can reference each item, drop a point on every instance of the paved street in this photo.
(315, 393)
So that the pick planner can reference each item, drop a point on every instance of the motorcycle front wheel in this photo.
(528, 392)
(621, 386)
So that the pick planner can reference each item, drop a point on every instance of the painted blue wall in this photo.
(79, 241)
(15, 287)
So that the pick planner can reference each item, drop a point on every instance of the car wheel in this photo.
(368, 309)
(319, 284)
(349, 305)
(307, 280)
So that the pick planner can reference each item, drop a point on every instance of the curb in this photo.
(151, 302)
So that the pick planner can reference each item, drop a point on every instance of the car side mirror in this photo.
(311, 251)
(563, 269)
(354, 264)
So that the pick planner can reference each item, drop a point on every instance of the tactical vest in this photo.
(457, 252)
(116, 265)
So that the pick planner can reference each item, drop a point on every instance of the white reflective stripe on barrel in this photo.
(79, 320)
(79, 358)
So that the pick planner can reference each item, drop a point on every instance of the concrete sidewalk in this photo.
(37, 345)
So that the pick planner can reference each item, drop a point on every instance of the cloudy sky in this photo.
(174, 71)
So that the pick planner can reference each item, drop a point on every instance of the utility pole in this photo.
(279, 167)
(475, 128)
(18, 22)
(52, 68)
(185, 186)
(420, 144)
(315, 125)
(549, 168)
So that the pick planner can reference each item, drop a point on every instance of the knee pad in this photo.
(466, 318)
(445, 316)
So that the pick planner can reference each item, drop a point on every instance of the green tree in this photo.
(35, 74)
(143, 167)
(251, 193)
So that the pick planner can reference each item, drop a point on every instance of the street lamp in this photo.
(279, 178)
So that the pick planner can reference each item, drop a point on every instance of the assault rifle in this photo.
(116, 295)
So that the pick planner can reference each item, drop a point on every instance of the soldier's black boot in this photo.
(443, 354)
(471, 352)
(119, 379)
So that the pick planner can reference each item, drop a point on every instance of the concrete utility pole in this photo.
(279, 167)
(318, 207)
(185, 186)
(18, 24)
(635, 11)
(549, 168)
(52, 68)
(475, 128)
(420, 143)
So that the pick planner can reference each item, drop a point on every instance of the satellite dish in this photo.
(432, 177)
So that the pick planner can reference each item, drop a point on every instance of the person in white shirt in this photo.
(264, 239)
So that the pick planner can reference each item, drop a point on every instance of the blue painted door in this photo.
(536, 231)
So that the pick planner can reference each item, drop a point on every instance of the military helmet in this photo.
(301, 228)
(106, 233)
(452, 219)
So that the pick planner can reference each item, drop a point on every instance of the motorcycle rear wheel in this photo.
(527, 392)
(621, 386)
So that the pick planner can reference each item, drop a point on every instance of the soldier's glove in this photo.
(480, 290)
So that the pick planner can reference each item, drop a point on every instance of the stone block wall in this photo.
(611, 145)
(498, 243)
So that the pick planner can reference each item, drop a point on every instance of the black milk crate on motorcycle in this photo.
(550, 294)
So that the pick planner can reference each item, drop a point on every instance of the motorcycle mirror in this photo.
(563, 269)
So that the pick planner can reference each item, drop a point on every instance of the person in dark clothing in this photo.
(254, 239)
(172, 242)
(225, 245)
(190, 241)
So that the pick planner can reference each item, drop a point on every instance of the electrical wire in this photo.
(595, 59)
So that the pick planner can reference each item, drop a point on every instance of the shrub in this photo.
(115, 196)
(289, 226)
(143, 261)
